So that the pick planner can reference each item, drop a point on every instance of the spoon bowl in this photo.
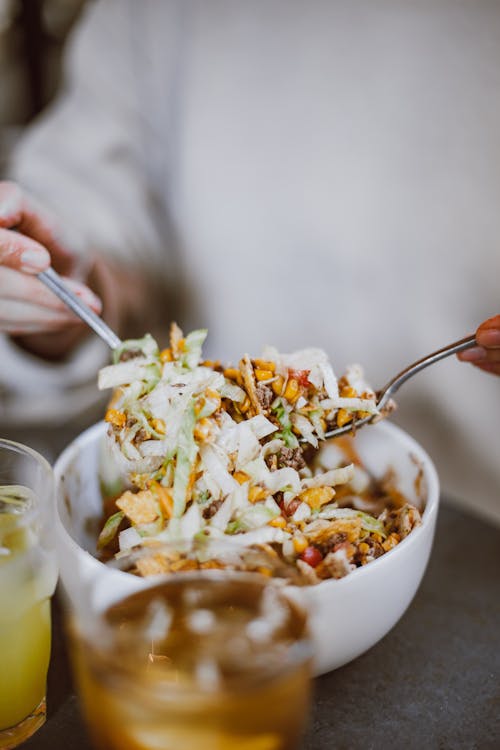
(384, 396)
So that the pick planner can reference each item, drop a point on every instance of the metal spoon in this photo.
(53, 281)
(386, 393)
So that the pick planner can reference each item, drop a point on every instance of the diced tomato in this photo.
(300, 376)
(292, 506)
(311, 556)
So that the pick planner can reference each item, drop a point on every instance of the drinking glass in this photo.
(207, 659)
(27, 581)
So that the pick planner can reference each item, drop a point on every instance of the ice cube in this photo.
(260, 630)
(273, 610)
(201, 621)
(208, 674)
(158, 620)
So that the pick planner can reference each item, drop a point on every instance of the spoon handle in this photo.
(53, 281)
(396, 382)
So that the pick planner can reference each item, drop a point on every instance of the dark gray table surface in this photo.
(433, 683)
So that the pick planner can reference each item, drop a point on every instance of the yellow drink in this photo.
(24, 656)
(27, 580)
(232, 680)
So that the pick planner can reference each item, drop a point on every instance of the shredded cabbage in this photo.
(220, 450)
(187, 451)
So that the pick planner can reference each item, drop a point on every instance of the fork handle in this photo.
(53, 281)
(396, 383)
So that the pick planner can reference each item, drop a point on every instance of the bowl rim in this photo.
(413, 448)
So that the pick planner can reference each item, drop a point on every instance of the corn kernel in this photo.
(232, 373)
(347, 391)
(300, 543)
(264, 364)
(166, 355)
(292, 390)
(278, 522)
(263, 374)
(203, 429)
(315, 497)
(265, 571)
(376, 537)
(256, 493)
(277, 385)
(115, 417)
(390, 542)
(211, 565)
(343, 417)
(241, 477)
(199, 404)
(364, 548)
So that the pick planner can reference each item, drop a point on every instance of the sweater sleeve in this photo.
(83, 160)
(84, 157)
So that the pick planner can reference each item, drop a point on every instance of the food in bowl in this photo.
(347, 616)
(214, 454)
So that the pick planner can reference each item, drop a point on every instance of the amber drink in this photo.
(212, 661)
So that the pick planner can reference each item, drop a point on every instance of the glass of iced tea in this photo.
(27, 581)
(208, 659)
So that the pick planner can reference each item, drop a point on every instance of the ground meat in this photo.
(291, 457)
(327, 545)
(376, 549)
(401, 520)
(211, 509)
(265, 395)
(335, 565)
(130, 354)
(280, 499)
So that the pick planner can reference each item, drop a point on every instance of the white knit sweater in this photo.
(314, 173)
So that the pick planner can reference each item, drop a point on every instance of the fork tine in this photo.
(385, 394)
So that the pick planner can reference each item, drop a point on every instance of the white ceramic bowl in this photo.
(348, 616)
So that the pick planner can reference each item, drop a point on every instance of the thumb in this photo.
(11, 204)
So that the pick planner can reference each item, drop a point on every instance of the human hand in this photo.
(27, 307)
(486, 355)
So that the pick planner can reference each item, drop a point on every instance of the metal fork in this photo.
(53, 281)
(386, 393)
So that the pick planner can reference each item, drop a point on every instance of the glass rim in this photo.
(35, 509)
(300, 650)
(27, 450)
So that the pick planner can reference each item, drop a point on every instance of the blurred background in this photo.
(361, 139)
(32, 38)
